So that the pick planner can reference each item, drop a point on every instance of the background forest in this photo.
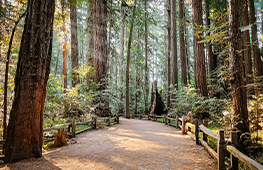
(185, 46)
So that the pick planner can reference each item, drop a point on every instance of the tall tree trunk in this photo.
(122, 52)
(65, 70)
(146, 59)
(100, 39)
(137, 74)
(56, 67)
(25, 128)
(74, 43)
(199, 53)
(174, 45)
(182, 44)
(128, 64)
(187, 53)
(169, 53)
(108, 48)
(208, 45)
(255, 45)
(90, 40)
(236, 70)
(247, 50)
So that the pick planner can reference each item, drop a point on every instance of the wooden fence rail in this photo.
(193, 130)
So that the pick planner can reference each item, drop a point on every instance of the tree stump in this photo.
(60, 138)
(157, 104)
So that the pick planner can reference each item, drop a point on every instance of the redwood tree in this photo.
(247, 46)
(65, 70)
(236, 70)
(100, 40)
(146, 59)
(258, 71)
(128, 64)
(25, 128)
(74, 42)
(90, 40)
(169, 53)
(174, 44)
(182, 43)
(199, 53)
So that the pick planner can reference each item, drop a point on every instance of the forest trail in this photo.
(132, 144)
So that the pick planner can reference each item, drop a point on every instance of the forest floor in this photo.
(132, 144)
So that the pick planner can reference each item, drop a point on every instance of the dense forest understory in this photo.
(64, 61)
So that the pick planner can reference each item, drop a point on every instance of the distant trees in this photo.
(174, 67)
(25, 128)
(65, 67)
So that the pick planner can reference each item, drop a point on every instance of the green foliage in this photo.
(186, 100)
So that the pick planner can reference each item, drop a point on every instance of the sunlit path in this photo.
(132, 144)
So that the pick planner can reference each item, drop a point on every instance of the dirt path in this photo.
(132, 144)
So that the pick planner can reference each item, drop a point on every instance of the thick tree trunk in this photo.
(90, 40)
(208, 45)
(121, 53)
(74, 43)
(247, 46)
(146, 59)
(100, 39)
(65, 70)
(157, 105)
(187, 53)
(128, 64)
(174, 45)
(137, 75)
(169, 53)
(182, 43)
(25, 128)
(236, 70)
(255, 45)
(199, 53)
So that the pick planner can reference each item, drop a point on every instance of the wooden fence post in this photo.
(163, 118)
(196, 132)
(73, 128)
(183, 126)
(205, 123)
(234, 142)
(148, 117)
(177, 122)
(95, 122)
(140, 116)
(221, 149)
(153, 117)
(118, 119)
(109, 122)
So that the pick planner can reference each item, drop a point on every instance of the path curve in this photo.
(132, 144)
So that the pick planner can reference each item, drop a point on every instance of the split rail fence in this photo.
(187, 125)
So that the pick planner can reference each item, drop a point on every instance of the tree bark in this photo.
(255, 45)
(174, 45)
(109, 41)
(236, 70)
(65, 70)
(100, 39)
(247, 46)
(122, 52)
(56, 67)
(128, 64)
(90, 40)
(25, 128)
(199, 54)
(146, 59)
(74, 43)
(182, 43)
(169, 53)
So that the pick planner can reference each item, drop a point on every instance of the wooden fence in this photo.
(71, 127)
(187, 125)
(93, 124)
